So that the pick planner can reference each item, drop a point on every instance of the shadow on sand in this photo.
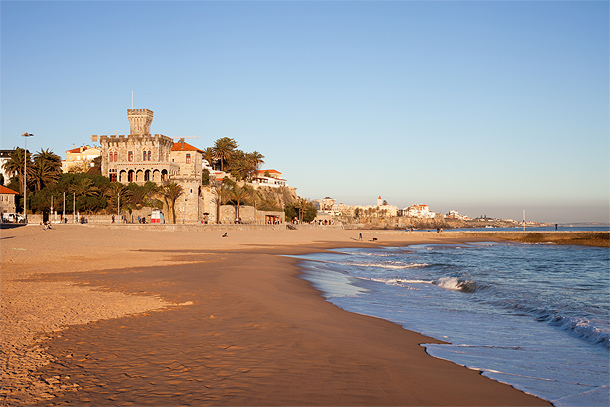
(11, 225)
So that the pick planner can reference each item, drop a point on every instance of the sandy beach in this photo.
(120, 316)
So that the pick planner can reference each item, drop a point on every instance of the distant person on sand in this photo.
(360, 236)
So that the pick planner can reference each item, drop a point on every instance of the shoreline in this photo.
(325, 342)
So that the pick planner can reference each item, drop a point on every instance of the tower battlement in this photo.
(139, 121)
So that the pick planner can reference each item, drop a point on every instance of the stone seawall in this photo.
(186, 228)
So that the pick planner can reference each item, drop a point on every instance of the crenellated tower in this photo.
(140, 121)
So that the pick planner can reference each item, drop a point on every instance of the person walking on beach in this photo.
(360, 236)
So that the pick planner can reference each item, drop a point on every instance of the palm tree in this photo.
(218, 189)
(256, 159)
(46, 169)
(116, 191)
(223, 150)
(50, 157)
(14, 165)
(171, 192)
(209, 156)
(302, 206)
(138, 196)
(42, 173)
(82, 188)
(239, 194)
(239, 166)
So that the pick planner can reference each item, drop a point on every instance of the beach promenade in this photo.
(115, 316)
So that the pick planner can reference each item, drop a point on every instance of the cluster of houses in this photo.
(382, 209)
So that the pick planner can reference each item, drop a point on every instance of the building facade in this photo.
(5, 155)
(190, 163)
(80, 158)
(269, 178)
(141, 157)
(7, 200)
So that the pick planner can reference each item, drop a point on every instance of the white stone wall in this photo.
(7, 203)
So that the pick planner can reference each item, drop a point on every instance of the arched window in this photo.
(110, 156)
(144, 156)
(149, 155)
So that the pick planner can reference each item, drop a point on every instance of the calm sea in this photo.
(533, 316)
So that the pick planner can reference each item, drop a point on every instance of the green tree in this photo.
(257, 159)
(137, 196)
(82, 189)
(45, 170)
(50, 157)
(13, 183)
(238, 165)
(223, 150)
(117, 192)
(205, 177)
(210, 156)
(238, 194)
(243, 165)
(218, 188)
(303, 210)
(97, 166)
(14, 166)
(171, 192)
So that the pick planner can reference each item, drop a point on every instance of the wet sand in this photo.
(174, 318)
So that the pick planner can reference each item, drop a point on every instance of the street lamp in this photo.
(25, 176)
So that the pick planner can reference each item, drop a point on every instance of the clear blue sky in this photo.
(484, 107)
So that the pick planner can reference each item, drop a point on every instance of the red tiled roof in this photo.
(5, 190)
(187, 147)
(77, 149)
(270, 171)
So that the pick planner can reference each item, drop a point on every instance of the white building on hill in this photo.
(269, 178)
(419, 211)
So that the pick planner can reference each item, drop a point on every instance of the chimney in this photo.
(182, 144)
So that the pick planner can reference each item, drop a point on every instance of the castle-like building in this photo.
(141, 157)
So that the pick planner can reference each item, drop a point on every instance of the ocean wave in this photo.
(580, 327)
(592, 331)
(457, 284)
(400, 282)
(373, 254)
(386, 264)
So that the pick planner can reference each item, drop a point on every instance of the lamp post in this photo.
(25, 175)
